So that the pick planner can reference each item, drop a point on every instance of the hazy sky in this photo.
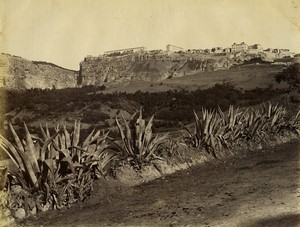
(65, 31)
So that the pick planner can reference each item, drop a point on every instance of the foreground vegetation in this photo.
(54, 170)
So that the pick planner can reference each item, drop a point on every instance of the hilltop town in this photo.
(235, 49)
(134, 64)
(124, 64)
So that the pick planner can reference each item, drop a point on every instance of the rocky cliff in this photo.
(19, 73)
(144, 66)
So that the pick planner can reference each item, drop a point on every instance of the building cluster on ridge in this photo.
(234, 50)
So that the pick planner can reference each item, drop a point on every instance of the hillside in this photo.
(177, 70)
(19, 73)
(246, 77)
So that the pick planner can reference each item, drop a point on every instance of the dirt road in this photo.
(258, 190)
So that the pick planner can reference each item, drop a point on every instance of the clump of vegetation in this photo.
(214, 130)
(208, 131)
(291, 75)
(56, 170)
(138, 145)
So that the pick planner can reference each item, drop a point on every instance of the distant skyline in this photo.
(65, 31)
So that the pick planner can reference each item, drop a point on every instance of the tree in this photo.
(291, 75)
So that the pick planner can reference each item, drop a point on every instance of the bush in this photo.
(291, 74)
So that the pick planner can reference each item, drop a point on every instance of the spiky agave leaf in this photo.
(67, 136)
(29, 169)
(76, 133)
(88, 139)
(127, 133)
(97, 138)
(31, 153)
(139, 132)
(125, 138)
(146, 136)
(16, 137)
(45, 149)
(12, 152)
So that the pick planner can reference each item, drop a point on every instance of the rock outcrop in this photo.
(19, 73)
(144, 66)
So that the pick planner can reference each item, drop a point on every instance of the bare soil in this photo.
(261, 189)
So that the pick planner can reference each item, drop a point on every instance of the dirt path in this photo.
(259, 190)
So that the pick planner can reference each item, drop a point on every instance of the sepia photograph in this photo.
(150, 113)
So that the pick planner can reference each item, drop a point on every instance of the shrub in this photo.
(291, 75)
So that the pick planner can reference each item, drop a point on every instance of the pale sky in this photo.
(65, 31)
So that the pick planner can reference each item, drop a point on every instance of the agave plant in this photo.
(209, 131)
(294, 123)
(233, 123)
(252, 124)
(275, 116)
(58, 168)
(138, 145)
(268, 119)
(215, 130)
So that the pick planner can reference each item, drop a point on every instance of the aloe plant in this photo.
(138, 145)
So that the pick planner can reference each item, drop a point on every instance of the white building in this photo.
(239, 47)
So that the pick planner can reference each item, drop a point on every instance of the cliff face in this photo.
(19, 73)
(145, 67)
(96, 72)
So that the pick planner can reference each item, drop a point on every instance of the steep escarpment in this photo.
(157, 65)
(19, 73)
(144, 67)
